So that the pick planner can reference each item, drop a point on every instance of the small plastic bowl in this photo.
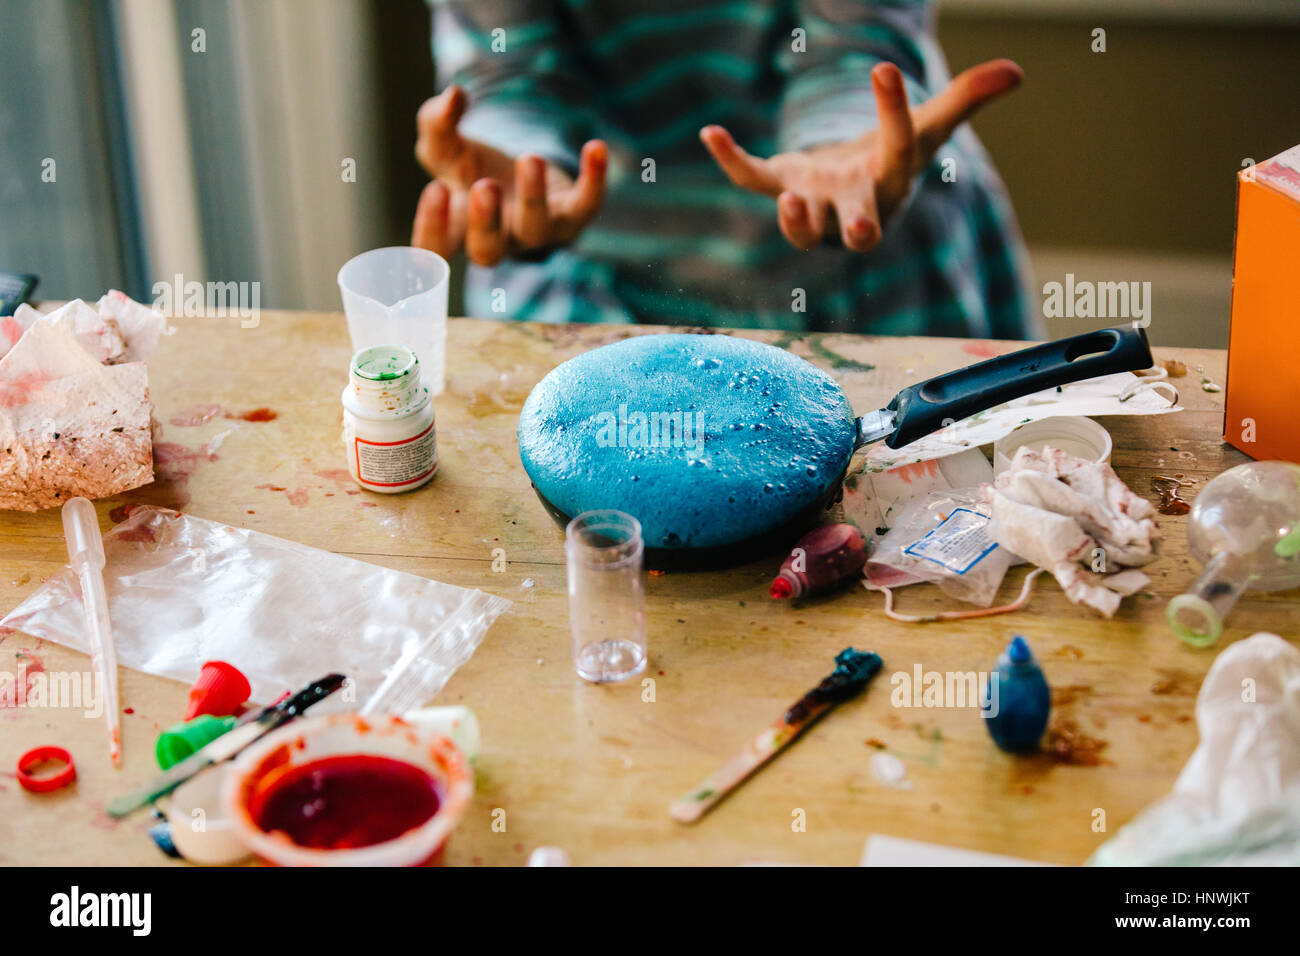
(306, 741)
(1071, 433)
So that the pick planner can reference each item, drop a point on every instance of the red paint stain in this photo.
(196, 415)
(298, 497)
(980, 350)
(173, 466)
(30, 666)
(334, 474)
(20, 389)
(11, 330)
(255, 415)
(143, 532)
(122, 512)
(917, 469)
(128, 710)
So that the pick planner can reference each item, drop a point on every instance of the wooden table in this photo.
(593, 769)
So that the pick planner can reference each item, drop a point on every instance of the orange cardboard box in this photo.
(1262, 408)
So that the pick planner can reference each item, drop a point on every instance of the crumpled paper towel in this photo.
(1056, 510)
(1237, 801)
(117, 330)
(75, 413)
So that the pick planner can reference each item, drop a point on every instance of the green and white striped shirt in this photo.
(675, 242)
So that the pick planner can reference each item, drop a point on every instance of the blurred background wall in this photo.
(224, 153)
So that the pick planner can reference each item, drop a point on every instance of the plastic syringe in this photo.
(86, 555)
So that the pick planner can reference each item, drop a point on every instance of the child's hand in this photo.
(494, 205)
(854, 188)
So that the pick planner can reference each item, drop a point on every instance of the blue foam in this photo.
(776, 432)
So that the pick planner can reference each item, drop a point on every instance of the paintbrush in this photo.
(853, 669)
(227, 745)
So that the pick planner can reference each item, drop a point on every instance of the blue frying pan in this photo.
(726, 450)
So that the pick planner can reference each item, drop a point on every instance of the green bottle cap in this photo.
(188, 737)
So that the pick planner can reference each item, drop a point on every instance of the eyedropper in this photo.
(86, 555)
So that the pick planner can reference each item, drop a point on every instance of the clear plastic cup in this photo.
(398, 296)
(604, 551)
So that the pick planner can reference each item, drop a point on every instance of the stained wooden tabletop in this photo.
(593, 769)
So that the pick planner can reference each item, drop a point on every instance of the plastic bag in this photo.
(183, 590)
(943, 538)
(1237, 801)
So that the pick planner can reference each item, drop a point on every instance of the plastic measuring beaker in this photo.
(1244, 527)
(398, 296)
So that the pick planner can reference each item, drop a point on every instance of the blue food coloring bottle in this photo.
(1022, 700)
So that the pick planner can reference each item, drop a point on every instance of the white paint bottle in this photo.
(388, 427)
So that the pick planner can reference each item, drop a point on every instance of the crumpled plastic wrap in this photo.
(183, 590)
(942, 537)
(1237, 801)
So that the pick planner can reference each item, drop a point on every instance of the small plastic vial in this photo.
(388, 427)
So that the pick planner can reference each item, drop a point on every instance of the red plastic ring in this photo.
(39, 755)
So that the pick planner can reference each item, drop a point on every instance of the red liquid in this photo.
(339, 803)
(821, 561)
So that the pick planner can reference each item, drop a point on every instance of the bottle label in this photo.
(958, 543)
(393, 463)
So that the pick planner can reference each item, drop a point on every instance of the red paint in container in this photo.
(821, 561)
(344, 802)
(347, 790)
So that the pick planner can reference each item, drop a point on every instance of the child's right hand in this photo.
(494, 205)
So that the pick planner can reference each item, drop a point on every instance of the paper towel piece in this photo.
(1093, 396)
(117, 330)
(68, 425)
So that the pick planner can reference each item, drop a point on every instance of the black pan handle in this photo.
(928, 406)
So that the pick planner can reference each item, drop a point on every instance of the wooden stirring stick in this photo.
(853, 669)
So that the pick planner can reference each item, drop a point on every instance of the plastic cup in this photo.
(398, 296)
(604, 551)
(1074, 434)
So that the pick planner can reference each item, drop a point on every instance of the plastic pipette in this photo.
(86, 555)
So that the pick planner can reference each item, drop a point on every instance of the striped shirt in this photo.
(676, 242)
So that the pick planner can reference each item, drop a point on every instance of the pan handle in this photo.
(930, 405)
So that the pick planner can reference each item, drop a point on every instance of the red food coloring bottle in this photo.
(821, 561)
